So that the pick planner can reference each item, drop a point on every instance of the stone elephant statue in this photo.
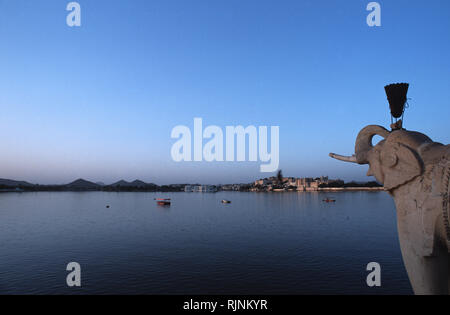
(415, 171)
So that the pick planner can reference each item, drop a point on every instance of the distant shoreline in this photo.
(337, 189)
(353, 189)
(272, 184)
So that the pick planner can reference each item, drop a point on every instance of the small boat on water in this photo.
(163, 202)
(226, 201)
(328, 200)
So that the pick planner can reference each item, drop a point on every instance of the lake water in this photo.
(262, 243)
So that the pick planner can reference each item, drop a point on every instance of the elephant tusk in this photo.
(351, 159)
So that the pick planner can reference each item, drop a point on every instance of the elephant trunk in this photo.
(350, 159)
(364, 142)
(363, 145)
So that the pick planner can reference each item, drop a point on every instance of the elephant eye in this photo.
(391, 160)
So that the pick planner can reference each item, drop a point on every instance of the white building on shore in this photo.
(200, 188)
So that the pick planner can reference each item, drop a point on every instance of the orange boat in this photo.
(163, 202)
(328, 200)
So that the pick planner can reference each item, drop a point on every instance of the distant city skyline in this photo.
(99, 101)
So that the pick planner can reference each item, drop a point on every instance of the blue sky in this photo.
(100, 101)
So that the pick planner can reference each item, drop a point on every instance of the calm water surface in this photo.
(262, 243)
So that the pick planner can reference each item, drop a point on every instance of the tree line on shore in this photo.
(148, 188)
(342, 184)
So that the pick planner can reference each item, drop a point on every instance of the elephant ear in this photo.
(400, 165)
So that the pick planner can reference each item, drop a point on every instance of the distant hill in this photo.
(84, 185)
(121, 183)
(136, 183)
(13, 183)
(81, 184)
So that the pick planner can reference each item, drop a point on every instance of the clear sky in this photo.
(100, 101)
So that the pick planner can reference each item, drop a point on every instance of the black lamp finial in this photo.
(397, 97)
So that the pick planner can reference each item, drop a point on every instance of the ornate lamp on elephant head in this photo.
(415, 171)
(397, 97)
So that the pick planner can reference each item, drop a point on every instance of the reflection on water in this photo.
(261, 243)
